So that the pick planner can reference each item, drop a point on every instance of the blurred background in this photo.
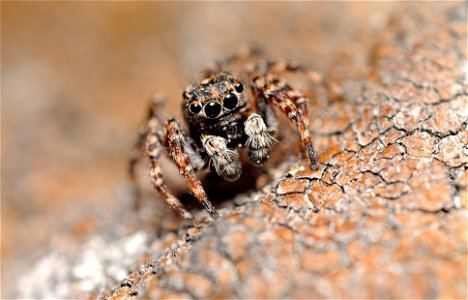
(75, 79)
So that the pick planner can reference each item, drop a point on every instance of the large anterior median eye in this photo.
(230, 101)
(212, 109)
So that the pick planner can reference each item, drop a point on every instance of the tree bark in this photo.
(385, 216)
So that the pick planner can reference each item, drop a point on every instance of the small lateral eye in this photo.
(239, 87)
(185, 95)
(230, 101)
(195, 108)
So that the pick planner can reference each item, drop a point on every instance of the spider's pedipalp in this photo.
(178, 152)
(225, 161)
(259, 141)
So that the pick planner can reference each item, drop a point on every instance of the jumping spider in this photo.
(220, 119)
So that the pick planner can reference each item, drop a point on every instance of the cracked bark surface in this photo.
(385, 216)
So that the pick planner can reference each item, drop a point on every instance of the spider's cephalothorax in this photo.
(220, 120)
(216, 106)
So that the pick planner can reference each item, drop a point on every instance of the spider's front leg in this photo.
(225, 161)
(282, 96)
(154, 149)
(281, 67)
(180, 154)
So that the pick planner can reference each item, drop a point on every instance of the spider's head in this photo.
(214, 97)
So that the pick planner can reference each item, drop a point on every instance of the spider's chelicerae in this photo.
(221, 119)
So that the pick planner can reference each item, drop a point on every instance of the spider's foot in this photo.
(314, 165)
(214, 214)
(186, 215)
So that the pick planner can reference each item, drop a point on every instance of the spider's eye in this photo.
(230, 101)
(239, 87)
(212, 109)
(195, 108)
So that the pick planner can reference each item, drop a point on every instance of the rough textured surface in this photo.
(386, 214)
(76, 77)
(384, 217)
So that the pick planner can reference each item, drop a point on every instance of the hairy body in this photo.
(220, 119)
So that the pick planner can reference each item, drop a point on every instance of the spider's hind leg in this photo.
(138, 151)
(246, 52)
(135, 156)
